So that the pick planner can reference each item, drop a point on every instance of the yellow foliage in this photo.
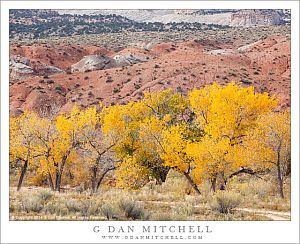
(131, 175)
(216, 130)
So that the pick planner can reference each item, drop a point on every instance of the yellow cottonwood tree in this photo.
(23, 142)
(174, 145)
(137, 128)
(269, 145)
(225, 114)
(59, 141)
(95, 149)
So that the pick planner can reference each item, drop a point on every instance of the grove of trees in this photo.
(212, 134)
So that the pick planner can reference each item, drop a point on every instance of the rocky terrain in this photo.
(86, 75)
(232, 17)
(61, 58)
(37, 24)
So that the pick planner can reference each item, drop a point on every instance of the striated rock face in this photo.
(102, 62)
(128, 59)
(93, 62)
(21, 68)
(255, 17)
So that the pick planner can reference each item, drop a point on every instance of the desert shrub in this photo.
(132, 210)
(15, 207)
(183, 211)
(45, 195)
(32, 204)
(50, 81)
(57, 208)
(73, 206)
(58, 88)
(94, 207)
(162, 216)
(89, 207)
(225, 202)
(261, 188)
(116, 90)
(108, 210)
(79, 189)
(175, 185)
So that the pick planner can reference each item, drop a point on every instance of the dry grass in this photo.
(168, 201)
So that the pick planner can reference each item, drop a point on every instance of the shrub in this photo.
(57, 208)
(162, 216)
(261, 188)
(58, 88)
(15, 207)
(116, 90)
(73, 206)
(132, 209)
(45, 195)
(184, 209)
(109, 79)
(108, 210)
(89, 207)
(93, 207)
(50, 81)
(248, 82)
(225, 202)
(80, 188)
(32, 204)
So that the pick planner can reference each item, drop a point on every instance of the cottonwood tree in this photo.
(269, 145)
(225, 114)
(95, 150)
(23, 142)
(137, 127)
(173, 152)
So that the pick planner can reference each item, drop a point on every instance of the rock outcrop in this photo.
(246, 18)
(21, 68)
(93, 62)
(128, 59)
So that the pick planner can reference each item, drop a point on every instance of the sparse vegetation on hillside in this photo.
(36, 24)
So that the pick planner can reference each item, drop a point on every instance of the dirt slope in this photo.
(179, 65)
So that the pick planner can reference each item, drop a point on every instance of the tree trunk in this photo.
(279, 174)
(57, 181)
(163, 173)
(280, 181)
(60, 172)
(94, 178)
(160, 174)
(23, 171)
(102, 177)
(193, 184)
(50, 181)
(223, 182)
(213, 183)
